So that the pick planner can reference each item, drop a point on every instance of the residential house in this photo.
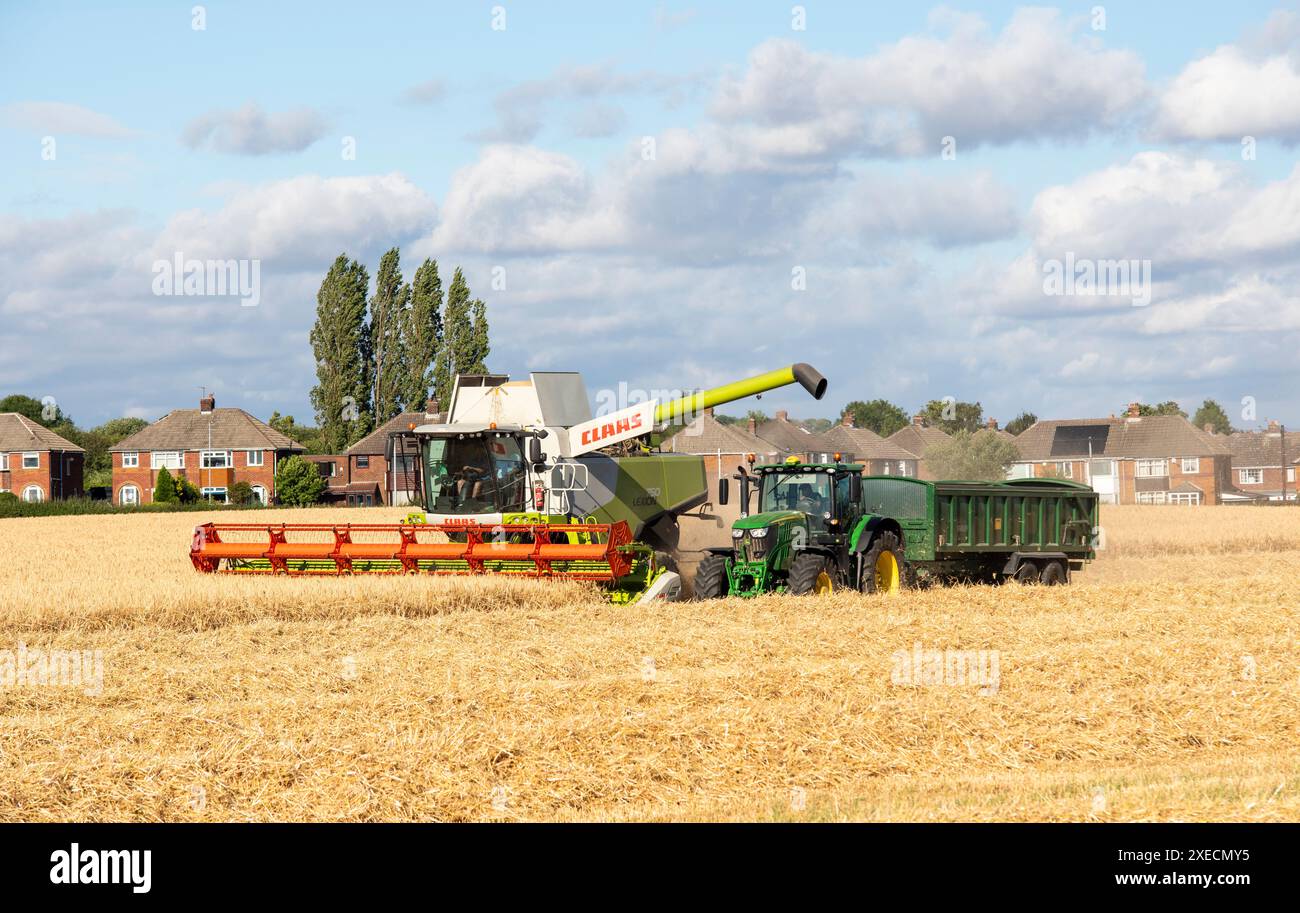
(35, 463)
(1258, 458)
(917, 438)
(1135, 459)
(333, 469)
(209, 447)
(791, 439)
(862, 445)
(384, 466)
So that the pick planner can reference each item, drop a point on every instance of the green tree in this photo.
(187, 492)
(465, 337)
(164, 488)
(878, 415)
(953, 416)
(1212, 414)
(1020, 423)
(815, 425)
(312, 439)
(341, 396)
(240, 493)
(382, 339)
(29, 406)
(979, 456)
(422, 335)
(298, 482)
(1169, 407)
(757, 416)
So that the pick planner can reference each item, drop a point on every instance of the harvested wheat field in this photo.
(1162, 685)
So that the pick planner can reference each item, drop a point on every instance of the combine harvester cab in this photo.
(521, 480)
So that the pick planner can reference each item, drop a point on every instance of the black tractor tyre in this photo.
(806, 575)
(711, 578)
(884, 543)
(1027, 573)
(1054, 574)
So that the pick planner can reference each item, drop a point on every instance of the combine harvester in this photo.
(520, 480)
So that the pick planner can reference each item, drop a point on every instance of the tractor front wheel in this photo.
(883, 569)
(711, 578)
(812, 573)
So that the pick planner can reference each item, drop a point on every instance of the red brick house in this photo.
(917, 438)
(1257, 463)
(862, 445)
(35, 463)
(209, 447)
(1135, 459)
(384, 466)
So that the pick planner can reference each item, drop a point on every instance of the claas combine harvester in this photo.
(521, 480)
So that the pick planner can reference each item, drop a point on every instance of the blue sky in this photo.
(776, 149)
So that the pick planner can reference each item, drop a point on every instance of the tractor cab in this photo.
(474, 471)
(828, 495)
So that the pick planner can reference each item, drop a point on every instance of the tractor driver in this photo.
(809, 502)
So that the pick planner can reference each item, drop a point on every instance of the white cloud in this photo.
(426, 93)
(252, 131)
(1035, 79)
(56, 117)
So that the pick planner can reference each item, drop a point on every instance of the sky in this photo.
(665, 196)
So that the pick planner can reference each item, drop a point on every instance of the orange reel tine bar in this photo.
(483, 543)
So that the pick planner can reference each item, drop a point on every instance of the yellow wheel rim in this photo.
(823, 584)
(887, 573)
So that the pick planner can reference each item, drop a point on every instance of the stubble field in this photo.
(1162, 685)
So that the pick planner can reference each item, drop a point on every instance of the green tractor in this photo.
(810, 534)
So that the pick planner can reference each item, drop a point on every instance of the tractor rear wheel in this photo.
(883, 565)
(711, 578)
(1054, 574)
(814, 574)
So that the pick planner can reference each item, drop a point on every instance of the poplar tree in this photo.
(341, 396)
(422, 335)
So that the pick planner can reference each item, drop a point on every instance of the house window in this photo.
(254, 457)
(130, 459)
(33, 493)
(1191, 498)
(902, 469)
(1250, 476)
(363, 462)
(128, 495)
(1191, 466)
(404, 464)
(214, 494)
(1152, 469)
(31, 461)
(1151, 497)
(1020, 471)
(166, 459)
(215, 459)
(1290, 473)
(4, 462)
(1065, 470)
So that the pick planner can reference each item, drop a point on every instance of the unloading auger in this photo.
(520, 480)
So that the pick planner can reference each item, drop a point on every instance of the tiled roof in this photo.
(918, 438)
(788, 437)
(1144, 437)
(376, 442)
(1261, 448)
(18, 432)
(865, 444)
(708, 435)
(188, 429)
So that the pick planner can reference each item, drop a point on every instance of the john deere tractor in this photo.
(810, 534)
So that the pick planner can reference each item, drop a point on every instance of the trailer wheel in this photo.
(711, 578)
(812, 573)
(883, 567)
(1027, 573)
(1054, 574)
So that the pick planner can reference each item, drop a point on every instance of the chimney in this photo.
(753, 426)
(991, 424)
(1273, 426)
(1134, 410)
(207, 404)
(847, 420)
(918, 420)
(431, 407)
(783, 416)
